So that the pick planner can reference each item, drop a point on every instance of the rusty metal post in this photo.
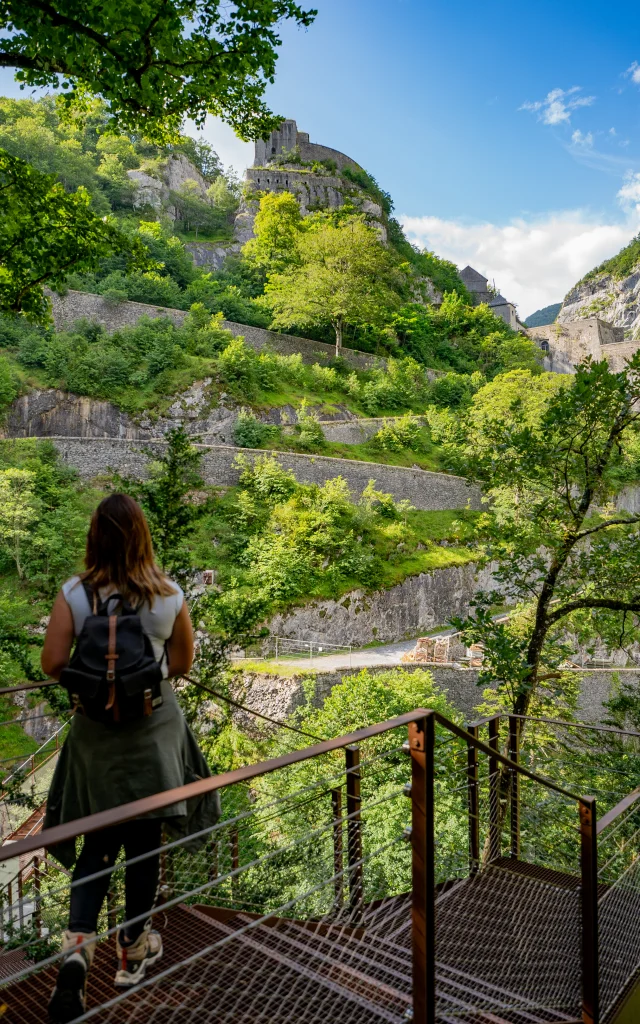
(589, 893)
(338, 853)
(423, 911)
(37, 913)
(514, 755)
(354, 827)
(474, 803)
(494, 791)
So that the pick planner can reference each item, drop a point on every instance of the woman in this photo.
(104, 764)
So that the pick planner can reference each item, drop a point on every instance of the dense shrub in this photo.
(455, 390)
(402, 383)
(299, 536)
(8, 384)
(463, 338)
(401, 434)
(250, 432)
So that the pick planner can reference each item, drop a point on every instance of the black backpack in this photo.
(113, 675)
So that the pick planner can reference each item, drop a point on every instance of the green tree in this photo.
(345, 276)
(192, 209)
(277, 227)
(165, 497)
(550, 461)
(44, 233)
(18, 511)
(155, 62)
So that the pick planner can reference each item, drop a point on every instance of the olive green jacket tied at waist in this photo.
(103, 766)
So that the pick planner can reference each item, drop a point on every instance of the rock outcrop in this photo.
(155, 190)
(53, 413)
(616, 300)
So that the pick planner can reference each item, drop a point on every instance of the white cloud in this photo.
(612, 131)
(558, 104)
(578, 139)
(633, 72)
(629, 194)
(231, 150)
(533, 262)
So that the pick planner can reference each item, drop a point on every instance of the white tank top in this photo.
(157, 622)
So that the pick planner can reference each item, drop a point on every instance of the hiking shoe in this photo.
(135, 957)
(68, 999)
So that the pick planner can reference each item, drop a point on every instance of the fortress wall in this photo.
(570, 343)
(288, 138)
(427, 491)
(617, 354)
(75, 306)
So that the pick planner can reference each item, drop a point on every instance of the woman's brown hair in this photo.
(120, 551)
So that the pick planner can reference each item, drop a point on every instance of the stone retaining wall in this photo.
(414, 607)
(279, 696)
(76, 306)
(427, 491)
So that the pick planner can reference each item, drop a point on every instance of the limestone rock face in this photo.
(155, 191)
(209, 255)
(52, 413)
(616, 301)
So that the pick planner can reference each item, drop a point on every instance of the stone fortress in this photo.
(314, 174)
(566, 344)
(288, 162)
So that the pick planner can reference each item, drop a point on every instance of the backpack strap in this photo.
(92, 596)
(111, 657)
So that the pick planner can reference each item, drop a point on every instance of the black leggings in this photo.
(99, 851)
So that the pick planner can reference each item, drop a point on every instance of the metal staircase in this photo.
(372, 878)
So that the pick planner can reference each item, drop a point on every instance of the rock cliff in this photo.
(155, 189)
(609, 293)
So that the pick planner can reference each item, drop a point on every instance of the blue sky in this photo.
(508, 134)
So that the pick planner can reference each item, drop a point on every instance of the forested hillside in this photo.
(458, 390)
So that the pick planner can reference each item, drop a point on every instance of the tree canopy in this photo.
(153, 62)
(45, 233)
(551, 460)
(343, 275)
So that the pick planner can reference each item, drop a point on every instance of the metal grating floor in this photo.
(508, 944)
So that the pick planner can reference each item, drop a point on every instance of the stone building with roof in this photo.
(480, 291)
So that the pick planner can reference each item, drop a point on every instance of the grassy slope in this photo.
(420, 552)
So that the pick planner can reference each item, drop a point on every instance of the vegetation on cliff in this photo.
(270, 539)
(621, 265)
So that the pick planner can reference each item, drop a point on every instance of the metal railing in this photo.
(321, 863)
(278, 648)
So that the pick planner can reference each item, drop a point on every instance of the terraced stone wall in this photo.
(427, 491)
(74, 306)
